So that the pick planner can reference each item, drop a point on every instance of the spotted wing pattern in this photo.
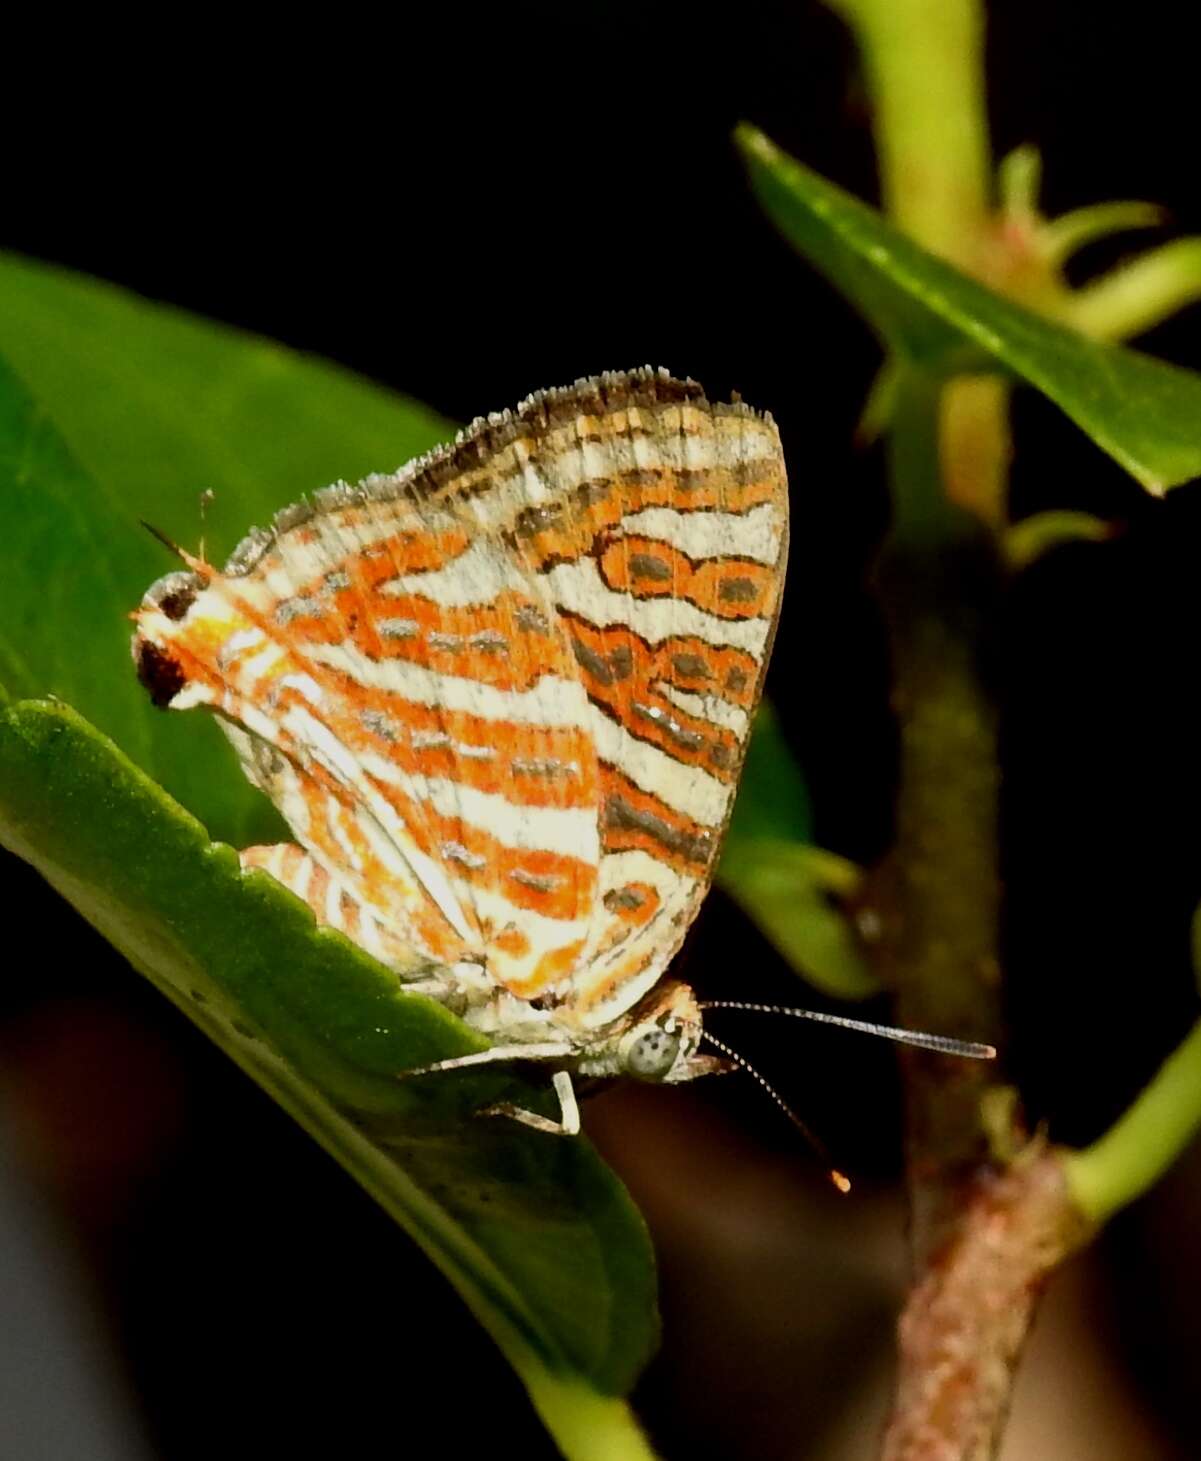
(502, 697)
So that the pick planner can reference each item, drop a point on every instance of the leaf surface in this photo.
(1144, 412)
(112, 410)
(536, 1234)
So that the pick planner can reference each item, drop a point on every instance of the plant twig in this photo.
(936, 896)
(983, 1240)
(966, 1319)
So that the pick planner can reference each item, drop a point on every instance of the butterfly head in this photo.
(661, 1041)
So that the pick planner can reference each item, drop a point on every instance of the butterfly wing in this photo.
(502, 697)
(656, 523)
(667, 574)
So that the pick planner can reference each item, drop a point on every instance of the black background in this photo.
(467, 206)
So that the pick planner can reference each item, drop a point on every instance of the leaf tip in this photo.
(754, 143)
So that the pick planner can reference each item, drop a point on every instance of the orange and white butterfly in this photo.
(502, 698)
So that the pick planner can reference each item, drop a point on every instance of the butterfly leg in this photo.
(568, 1123)
(495, 1053)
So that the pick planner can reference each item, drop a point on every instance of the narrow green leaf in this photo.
(1028, 540)
(773, 801)
(151, 408)
(1128, 1159)
(787, 886)
(1145, 413)
(535, 1233)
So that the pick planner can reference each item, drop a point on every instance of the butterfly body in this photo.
(502, 698)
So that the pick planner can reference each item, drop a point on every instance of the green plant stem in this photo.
(925, 65)
(1136, 1151)
(935, 896)
(587, 1426)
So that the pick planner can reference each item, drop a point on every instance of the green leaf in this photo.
(151, 408)
(787, 886)
(1027, 540)
(535, 1233)
(1145, 413)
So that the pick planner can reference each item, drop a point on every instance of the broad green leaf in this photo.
(786, 885)
(1145, 413)
(538, 1236)
(160, 405)
(535, 1233)
(151, 408)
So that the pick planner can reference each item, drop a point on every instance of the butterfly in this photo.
(502, 698)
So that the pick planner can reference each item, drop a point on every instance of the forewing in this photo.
(657, 524)
(669, 584)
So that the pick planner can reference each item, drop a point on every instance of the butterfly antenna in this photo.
(196, 564)
(164, 540)
(944, 1044)
(206, 497)
(839, 1179)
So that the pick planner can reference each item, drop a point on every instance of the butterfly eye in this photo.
(652, 1054)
